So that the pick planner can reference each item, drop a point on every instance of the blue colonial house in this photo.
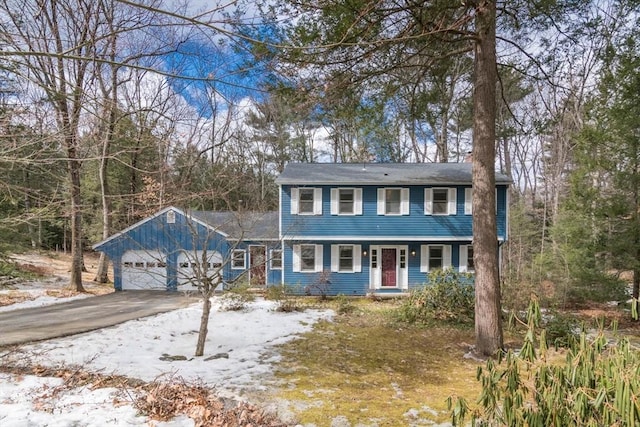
(351, 229)
(377, 228)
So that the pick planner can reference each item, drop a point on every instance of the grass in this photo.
(373, 371)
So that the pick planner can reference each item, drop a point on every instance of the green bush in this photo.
(448, 296)
(596, 385)
(561, 329)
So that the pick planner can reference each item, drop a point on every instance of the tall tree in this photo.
(60, 36)
(372, 40)
(607, 181)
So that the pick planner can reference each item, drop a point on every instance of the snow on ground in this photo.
(239, 348)
(37, 298)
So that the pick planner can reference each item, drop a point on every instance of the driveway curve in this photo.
(83, 315)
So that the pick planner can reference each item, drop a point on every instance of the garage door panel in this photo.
(190, 264)
(144, 270)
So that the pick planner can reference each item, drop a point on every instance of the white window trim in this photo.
(297, 262)
(451, 201)
(357, 259)
(271, 252)
(317, 201)
(424, 257)
(468, 201)
(464, 259)
(357, 201)
(244, 259)
(404, 201)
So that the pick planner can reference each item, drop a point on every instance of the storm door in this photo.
(257, 265)
(389, 267)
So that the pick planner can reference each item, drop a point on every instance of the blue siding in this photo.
(370, 224)
(359, 283)
(171, 239)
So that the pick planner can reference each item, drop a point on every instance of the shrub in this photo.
(449, 296)
(284, 295)
(236, 298)
(561, 329)
(595, 385)
(321, 286)
(344, 305)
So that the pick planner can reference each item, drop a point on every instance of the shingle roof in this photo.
(246, 225)
(380, 173)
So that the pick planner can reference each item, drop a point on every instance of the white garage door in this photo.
(144, 270)
(191, 268)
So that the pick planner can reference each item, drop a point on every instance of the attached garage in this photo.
(167, 251)
(191, 268)
(144, 270)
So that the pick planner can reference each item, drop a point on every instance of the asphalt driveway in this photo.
(87, 314)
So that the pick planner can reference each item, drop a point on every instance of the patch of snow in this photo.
(134, 349)
(40, 299)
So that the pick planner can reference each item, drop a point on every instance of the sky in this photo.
(248, 339)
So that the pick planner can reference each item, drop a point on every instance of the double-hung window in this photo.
(307, 258)
(434, 257)
(393, 201)
(306, 201)
(346, 201)
(440, 201)
(276, 259)
(346, 258)
(466, 259)
(238, 259)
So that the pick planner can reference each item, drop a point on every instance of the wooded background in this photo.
(111, 110)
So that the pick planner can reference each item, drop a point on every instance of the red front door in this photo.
(389, 270)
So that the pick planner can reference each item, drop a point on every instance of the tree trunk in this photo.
(204, 323)
(488, 321)
(110, 130)
(77, 261)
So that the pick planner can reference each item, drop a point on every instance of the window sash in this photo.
(345, 258)
(276, 259)
(346, 201)
(305, 200)
(436, 257)
(393, 201)
(307, 257)
(440, 201)
(238, 259)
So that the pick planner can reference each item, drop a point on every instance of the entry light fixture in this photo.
(364, 253)
(413, 252)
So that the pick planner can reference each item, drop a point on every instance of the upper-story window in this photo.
(468, 200)
(440, 201)
(306, 201)
(393, 201)
(346, 201)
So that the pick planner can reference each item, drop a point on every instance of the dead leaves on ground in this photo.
(160, 400)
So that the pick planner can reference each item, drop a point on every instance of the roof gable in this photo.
(230, 225)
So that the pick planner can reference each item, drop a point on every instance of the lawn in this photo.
(368, 369)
